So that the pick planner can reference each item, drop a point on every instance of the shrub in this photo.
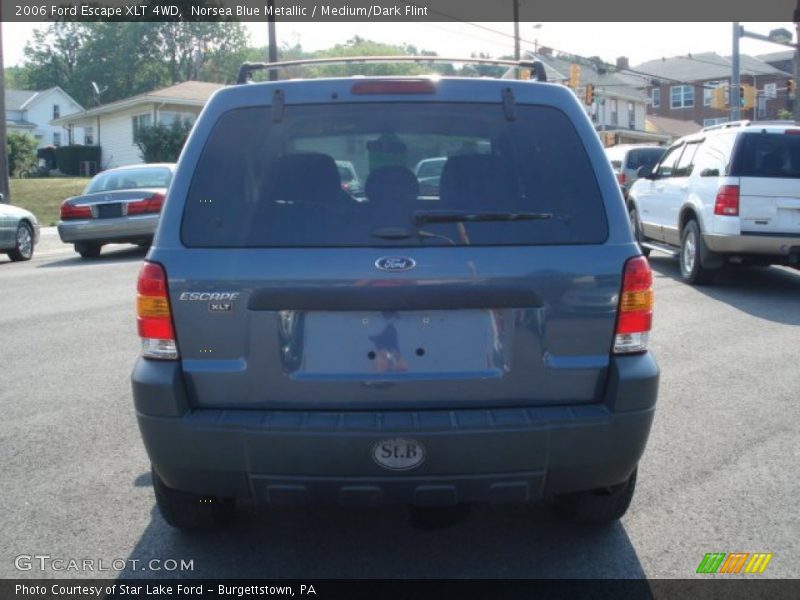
(69, 158)
(21, 152)
(162, 143)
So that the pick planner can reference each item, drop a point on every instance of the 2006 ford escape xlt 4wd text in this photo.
(484, 343)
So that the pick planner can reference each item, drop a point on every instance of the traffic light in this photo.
(574, 76)
(791, 86)
(718, 99)
(588, 95)
(747, 96)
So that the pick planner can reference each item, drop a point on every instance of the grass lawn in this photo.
(43, 196)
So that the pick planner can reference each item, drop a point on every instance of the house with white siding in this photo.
(31, 112)
(112, 126)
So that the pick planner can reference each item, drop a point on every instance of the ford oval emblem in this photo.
(395, 263)
(398, 454)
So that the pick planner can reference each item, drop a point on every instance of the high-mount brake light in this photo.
(153, 314)
(727, 201)
(394, 86)
(635, 317)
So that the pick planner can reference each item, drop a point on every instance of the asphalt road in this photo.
(720, 473)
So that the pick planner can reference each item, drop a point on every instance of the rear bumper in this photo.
(775, 245)
(489, 455)
(109, 230)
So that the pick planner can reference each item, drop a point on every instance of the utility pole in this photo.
(796, 100)
(273, 44)
(4, 189)
(516, 29)
(735, 83)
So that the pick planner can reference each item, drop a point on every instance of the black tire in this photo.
(191, 512)
(636, 229)
(23, 250)
(88, 249)
(692, 248)
(597, 507)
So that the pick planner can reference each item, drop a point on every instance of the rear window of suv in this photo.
(259, 183)
(767, 155)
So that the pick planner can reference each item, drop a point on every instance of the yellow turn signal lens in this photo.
(636, 301)
(152, 306)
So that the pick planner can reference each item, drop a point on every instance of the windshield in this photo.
(767, 155)
(261, 184)
(130, 179)
(644, 157)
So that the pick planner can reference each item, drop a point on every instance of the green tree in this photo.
(21, 151)
(162, 143)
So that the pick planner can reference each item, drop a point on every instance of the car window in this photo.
(683, 168)
(643, 157)
(430, 168)
(712, 157)
(616, 164)
(667, 164)
(129, 179)
(346, 174)
(258, 184)
(767, 155)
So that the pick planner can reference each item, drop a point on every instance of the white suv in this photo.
(727, 195)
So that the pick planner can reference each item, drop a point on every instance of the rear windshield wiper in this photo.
(403, 233)
(465, 216)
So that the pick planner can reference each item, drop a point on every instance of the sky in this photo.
(638, 41)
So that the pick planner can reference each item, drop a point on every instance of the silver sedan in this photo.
(19, 232)
(118, 206)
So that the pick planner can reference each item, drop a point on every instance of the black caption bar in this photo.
(594, 589)
(394, 10)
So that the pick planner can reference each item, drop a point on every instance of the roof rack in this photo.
(247, 69)
(746, 123)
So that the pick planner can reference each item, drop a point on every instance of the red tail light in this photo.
(394, 86)
(635, 317)
(153, 315)
(621, 178)
(75, 211)
(727, 202)
(153, 204)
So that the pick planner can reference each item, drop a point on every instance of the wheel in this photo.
(597, 506)
(88, 249)
(692, 247)
(24, 247)
(636, 229)
(191, 512)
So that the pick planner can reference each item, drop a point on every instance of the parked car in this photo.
(19, 231)
(118, 206)
(727, 195)
(429, 172)
(486, 345)
(350, 181)
(627, 159)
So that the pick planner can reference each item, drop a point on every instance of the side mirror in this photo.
(2, 198)
(645, 173)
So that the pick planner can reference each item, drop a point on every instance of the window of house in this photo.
(56, 111)
(168, 117)
(681, 96)
(631, 116)
(614, 107)
(771, 90)
(141, 121)
(56, 138)
(762, 107)
(656, 97)
(717, 121)
(88, 136)
(708, 91)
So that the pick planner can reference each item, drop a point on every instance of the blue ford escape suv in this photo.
(482, 342)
